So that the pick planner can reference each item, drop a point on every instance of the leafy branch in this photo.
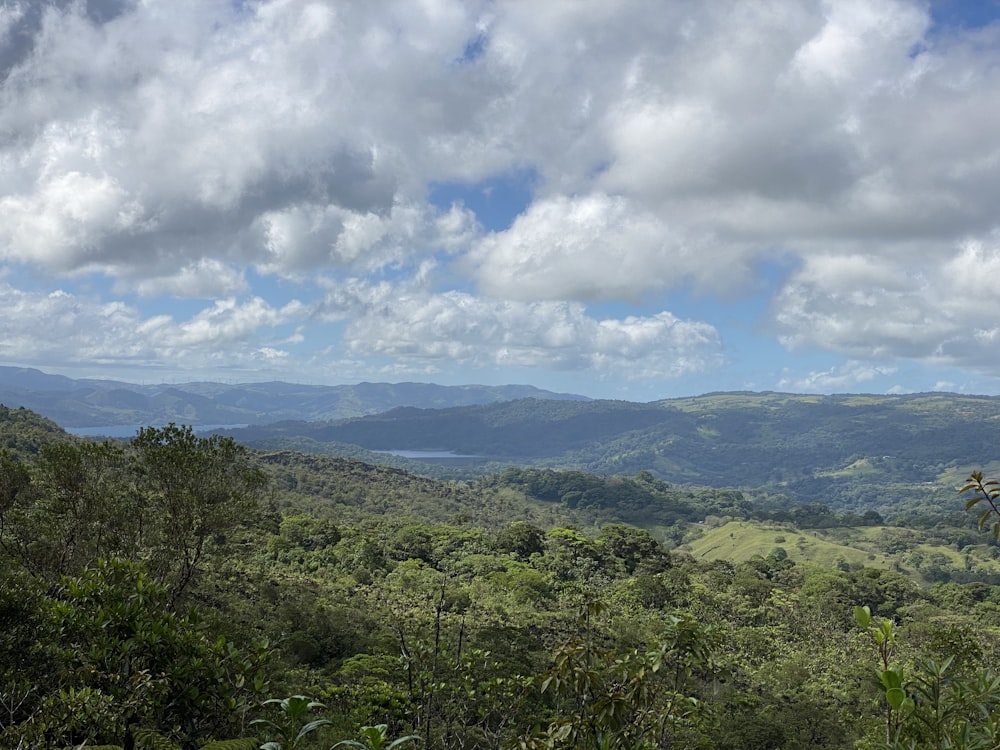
(987, 490)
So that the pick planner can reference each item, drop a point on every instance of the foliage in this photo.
(929, 705)
(169, 498)
(292, 726)
(146, 739)
(135, 579)
(639, 699)
(201, 489)
(376, 738)
(120, 660)
(23, 432)
(985, 491)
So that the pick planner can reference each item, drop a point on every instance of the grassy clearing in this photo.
(859, 467)
(738, 541)
(741, 540)
(714, 401)
(956, 476)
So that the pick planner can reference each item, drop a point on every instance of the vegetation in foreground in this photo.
(177, 591)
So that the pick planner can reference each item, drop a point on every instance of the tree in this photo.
(197, 492)
(123, 662)
(88, 505)
(27, 657)
(169, 499)
(626, 701)
(521, 539)
(636, 548)
(930, 705)
(67, 507)
(16, 498)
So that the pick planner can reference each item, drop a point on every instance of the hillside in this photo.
(447, 609)
(927, 556)
(851, 451)
(24, 432)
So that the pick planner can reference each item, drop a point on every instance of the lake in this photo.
(427, 454)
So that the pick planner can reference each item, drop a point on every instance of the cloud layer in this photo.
(272, 163)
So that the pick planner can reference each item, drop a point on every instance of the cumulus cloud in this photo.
(592, 247)
(151, 139)
(60, 328)
(943, 309)
(226, 322)
(842, 378)
(199, 279)
(184, 148)
(411, 323)
(303, 238)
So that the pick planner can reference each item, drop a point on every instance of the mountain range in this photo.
(79, 403)
(851, 451)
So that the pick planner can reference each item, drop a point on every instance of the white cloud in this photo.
(594, 247)
(59, 328)
(859, 36)
(301, 238)
(938, 308)
(411, 323)
(227, 322)
(842, 378)
(183, 148)
(205, 278)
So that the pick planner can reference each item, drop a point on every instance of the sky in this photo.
(629, 199)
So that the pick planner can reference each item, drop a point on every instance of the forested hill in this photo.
(181, 591)
(24, 432)
(847, 449)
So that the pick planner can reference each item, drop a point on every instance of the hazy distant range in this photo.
(78, 404)
(848, 450)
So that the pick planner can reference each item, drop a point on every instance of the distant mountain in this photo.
(851, 450)
(96, 403)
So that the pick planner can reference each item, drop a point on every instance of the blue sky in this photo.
(631, 199)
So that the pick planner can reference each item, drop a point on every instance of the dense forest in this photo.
(181, 591)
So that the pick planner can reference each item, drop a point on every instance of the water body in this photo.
(427, 454)
(129, 430)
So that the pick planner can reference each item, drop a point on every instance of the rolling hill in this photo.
(850, 451)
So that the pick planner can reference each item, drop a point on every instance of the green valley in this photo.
(187, 591)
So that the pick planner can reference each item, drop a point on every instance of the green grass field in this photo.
(739, 541)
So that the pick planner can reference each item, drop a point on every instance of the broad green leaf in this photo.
(402, 740)
(908, 706)
(895, 697)
(891, 679)
(863, 616)
(312, 726)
